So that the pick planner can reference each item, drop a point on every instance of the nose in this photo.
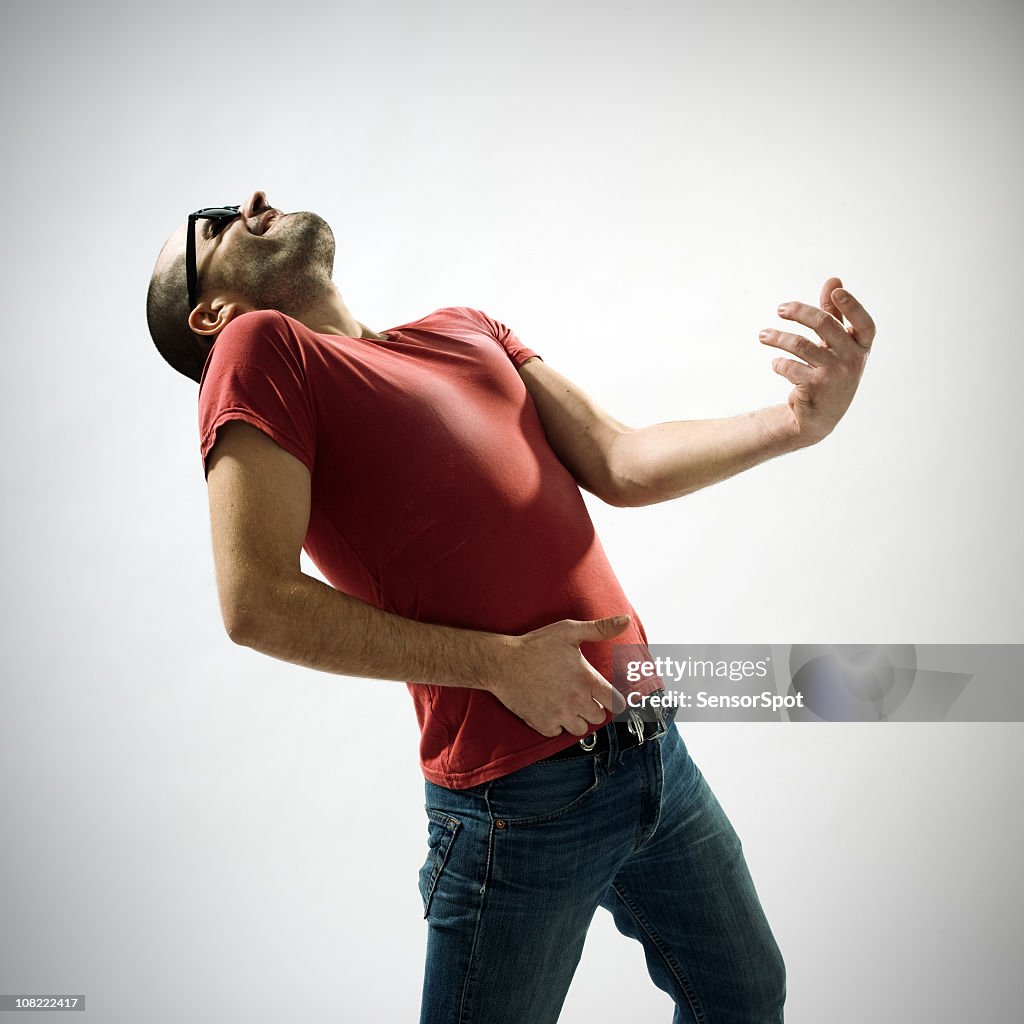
(255, 203)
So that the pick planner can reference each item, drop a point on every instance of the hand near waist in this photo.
(545, 680)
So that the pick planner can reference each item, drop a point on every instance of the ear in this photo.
(210, 318)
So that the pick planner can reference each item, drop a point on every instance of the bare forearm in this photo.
(626, 466)
(668, 460)
(302, 620)
(259, 515)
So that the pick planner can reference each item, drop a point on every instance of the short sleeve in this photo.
(506, 337)
(256, 373)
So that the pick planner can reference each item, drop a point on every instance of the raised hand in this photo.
(826, 380)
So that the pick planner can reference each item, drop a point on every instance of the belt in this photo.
(633, 732)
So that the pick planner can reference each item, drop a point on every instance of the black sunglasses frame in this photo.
(191, 274)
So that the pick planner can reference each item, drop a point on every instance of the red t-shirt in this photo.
(435, 495)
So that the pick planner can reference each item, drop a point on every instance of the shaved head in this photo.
(267, 260)
(167, 311)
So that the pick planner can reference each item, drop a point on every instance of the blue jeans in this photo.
(517, 867)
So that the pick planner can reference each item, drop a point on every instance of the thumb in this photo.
(827, 304)
(602, 629)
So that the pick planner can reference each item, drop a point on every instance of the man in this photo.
(432, 472)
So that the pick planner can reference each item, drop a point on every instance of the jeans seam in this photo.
(472, 970)
(670, 961)
(645, 795)
(451, 825)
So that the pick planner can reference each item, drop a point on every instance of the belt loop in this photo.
(664, 721)
(612, 754)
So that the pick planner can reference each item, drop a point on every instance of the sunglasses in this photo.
(221, 216)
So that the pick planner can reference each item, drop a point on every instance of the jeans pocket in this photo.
(545, 790)
(441, 831)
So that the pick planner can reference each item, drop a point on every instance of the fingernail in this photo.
(620, 620)
(783, 309)
(840, 295)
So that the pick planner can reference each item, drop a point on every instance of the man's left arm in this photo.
(629, 467)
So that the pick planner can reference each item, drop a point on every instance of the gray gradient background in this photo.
(191, 831)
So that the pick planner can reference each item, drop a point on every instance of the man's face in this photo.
(265, 258)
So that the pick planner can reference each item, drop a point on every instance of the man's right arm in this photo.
(259, 513)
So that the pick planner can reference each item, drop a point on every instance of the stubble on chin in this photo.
(294, 274)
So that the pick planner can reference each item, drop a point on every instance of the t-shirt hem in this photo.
(502, 766)
(522, 355)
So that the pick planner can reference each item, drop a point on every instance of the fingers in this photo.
(593, 710)
(827, 303)
(599, 629)
(550, 733)
(581, 721)
(582, 696)
(594, 714)
(579, 727)
(794, 372)
(606, 696)
(830, 328)
(827, 327)
(795, 344)
(862, 326)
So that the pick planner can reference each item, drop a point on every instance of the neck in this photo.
(332, 316)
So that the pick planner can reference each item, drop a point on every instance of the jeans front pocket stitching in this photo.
(540, 819)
